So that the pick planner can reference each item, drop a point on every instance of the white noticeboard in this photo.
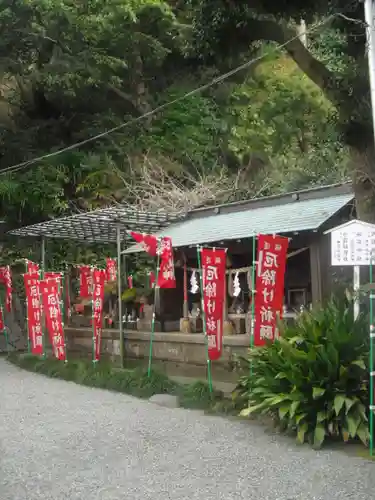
(353, 244)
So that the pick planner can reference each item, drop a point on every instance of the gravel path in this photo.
(61, 441)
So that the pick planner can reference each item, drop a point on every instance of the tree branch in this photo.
(332, 86)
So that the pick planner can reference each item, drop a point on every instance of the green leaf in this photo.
(300, 417)
(319, 435)
(246, 412)
(301, 431)
(280, 376)
(283, 411)
(352, 424)
(321, 416)
(363, 433)
(360, 363)
(293, 408)
(318, 392)
(349, 404)
(338, 403)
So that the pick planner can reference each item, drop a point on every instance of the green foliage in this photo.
(313, 380)
(72, 70)
(133, 381)
(280, 117)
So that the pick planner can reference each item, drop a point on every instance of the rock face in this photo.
(165, 400)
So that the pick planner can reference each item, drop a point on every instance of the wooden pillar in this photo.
(316, 274)
(320, 269)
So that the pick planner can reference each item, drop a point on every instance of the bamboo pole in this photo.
(209, 374)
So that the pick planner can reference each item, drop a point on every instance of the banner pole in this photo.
(119, 292)
(371, 367)
(253, 278)
(43, 269)
(27, 317)
(157, 291)
(62, 308)
(209, 374)
(92, 317)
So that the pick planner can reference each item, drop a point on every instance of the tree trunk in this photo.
(363, 177)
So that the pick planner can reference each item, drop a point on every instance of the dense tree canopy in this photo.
(71, 70)
(227, 29)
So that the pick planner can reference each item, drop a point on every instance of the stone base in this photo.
(185, 326)
(145, 325)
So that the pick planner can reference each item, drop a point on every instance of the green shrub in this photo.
(313, 379)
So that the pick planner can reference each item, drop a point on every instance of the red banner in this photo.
(85, 282)
(99, 279)
(111, 270)
(130, 281)
(51, 306)
(148, 242)
(54, 276)
(166, 277)
(6, 279)
(213, 275)
(34, 313)
(269, 297)
(32, 267)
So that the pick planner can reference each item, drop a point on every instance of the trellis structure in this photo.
(105, 226)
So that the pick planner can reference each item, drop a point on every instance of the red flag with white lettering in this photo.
(99, 278)
(166, 277)
(50, 275)
(213, 276)
(85, 282)
(111, 270)
(269, 297)
(32, 267)
(52, 311)
(149, 242)
(6, 279)
(34, 312)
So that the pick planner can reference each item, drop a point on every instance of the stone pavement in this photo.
(61, 441)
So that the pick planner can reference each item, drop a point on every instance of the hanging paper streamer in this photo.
(130, 281)
(32, 267)
(213, 276)
(236, 286)
(272, 251)
(85, 282)
(166, 277)
(111, 270)
(34, 313)
(151, 277)
(99, 279)
(52, 311)
(6, 279)
(194, 283)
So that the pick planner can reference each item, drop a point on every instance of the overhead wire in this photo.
(27, 163)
